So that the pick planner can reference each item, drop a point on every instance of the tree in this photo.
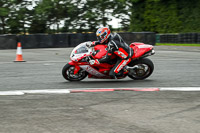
(14, 16)
(48, 14)
(3, 17)
(122, 11)
(161, 16)
(189, 15)
(137, 15)
(19, 17)
(4, 13)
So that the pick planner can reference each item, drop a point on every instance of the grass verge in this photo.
(177, 44)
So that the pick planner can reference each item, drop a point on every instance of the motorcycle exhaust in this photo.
(131, 68)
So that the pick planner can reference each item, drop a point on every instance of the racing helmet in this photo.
(103, 34)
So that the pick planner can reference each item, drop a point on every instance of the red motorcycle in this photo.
(79, 68)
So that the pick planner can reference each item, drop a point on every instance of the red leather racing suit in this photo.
(117, 46)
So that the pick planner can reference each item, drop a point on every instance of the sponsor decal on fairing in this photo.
(92, 71)
(144, 46)
(121, 54)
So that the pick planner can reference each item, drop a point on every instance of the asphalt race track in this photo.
(173, 68)
(99, 112)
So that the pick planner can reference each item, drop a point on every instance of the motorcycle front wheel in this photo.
(68, 73)
(142, 69)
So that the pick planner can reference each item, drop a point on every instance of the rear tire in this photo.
(68, 73)
(144, 69)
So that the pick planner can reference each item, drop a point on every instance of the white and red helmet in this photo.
(103, 34)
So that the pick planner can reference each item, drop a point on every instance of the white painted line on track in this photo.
(9, 93)
(180, 89)
(81, 90)
(52, 91)
(22, 92)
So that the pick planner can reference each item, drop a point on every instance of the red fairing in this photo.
(71, 63)
(102, 51)
(78, 63)
(103, 68)
(140, 48)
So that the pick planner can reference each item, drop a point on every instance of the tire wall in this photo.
(67, 40)
(178, 38)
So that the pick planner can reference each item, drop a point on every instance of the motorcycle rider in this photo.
(117, 46)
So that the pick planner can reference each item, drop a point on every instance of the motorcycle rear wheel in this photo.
(144, 68)
(68, 73)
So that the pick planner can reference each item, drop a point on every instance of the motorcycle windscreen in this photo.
(81, 50)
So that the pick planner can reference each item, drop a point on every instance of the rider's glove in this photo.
(94, 62)
(89, 44)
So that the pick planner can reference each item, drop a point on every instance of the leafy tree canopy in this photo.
(54, 16)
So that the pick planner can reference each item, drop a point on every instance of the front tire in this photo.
(143, 68)
(68, 73)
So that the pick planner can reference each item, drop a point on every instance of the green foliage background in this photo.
(160, 16)
(165, 16)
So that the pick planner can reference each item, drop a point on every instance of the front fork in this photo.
(76, 67)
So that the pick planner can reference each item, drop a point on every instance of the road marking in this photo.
(180, 89)
(91, 90)
(22, 92)
(8, 93)
(82, 90)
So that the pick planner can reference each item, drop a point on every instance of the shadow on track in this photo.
(107, 81)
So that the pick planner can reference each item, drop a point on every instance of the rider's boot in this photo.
(112, 75)
(120, 73)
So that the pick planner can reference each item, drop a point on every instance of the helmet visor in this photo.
(99, 38)
(102, 37)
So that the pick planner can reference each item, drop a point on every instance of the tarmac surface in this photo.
(174, 67)
(99, 112)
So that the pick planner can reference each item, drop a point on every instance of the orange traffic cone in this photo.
(19, 57)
